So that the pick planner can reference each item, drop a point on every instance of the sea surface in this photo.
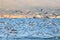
(29, 28)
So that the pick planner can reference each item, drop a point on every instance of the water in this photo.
(29, 29)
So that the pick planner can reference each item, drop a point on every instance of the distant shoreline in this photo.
(26, 16)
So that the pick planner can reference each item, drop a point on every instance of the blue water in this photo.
(29, 29)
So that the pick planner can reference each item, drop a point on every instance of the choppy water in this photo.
(29, 29)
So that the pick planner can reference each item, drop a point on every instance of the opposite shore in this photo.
(27, 16)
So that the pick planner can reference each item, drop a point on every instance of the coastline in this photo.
(26, 16)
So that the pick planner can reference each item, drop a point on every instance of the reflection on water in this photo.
(29, 28)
